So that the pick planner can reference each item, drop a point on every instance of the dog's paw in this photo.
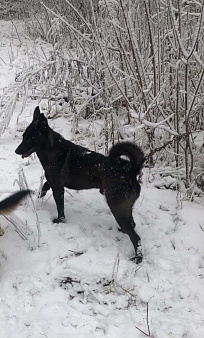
(59, 220)
(137, 259)
(138, 255)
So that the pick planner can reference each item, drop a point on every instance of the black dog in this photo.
(69, 165)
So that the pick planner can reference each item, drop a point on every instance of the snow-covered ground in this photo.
(79, 282)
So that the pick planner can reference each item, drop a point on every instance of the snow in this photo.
(80, 280)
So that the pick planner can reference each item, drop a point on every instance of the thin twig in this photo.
(147, 322)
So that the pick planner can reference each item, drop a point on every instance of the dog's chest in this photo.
(51, 160)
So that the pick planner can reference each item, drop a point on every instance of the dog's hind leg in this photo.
(122, 211)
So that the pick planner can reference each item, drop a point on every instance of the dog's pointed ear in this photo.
(39, 117)
(43, 118)
(36, 114)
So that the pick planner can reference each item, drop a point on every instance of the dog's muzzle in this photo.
(25, 154)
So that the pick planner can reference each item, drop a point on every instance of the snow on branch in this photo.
(187, 54)
(159, 125)
(68, 24)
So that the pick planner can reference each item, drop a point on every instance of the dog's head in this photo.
(34, 136)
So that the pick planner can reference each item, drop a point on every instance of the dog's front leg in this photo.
(58, 194)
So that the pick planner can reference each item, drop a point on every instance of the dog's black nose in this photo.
(17, 151)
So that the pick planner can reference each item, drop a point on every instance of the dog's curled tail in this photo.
(130, 150)
(10, 203)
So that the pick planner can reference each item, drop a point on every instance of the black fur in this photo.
(69, 165)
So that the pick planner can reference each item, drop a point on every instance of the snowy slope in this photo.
(79, 282)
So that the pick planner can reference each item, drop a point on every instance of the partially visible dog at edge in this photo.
(10, 203)
(75, 167)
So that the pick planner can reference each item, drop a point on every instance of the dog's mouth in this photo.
(28, 152)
